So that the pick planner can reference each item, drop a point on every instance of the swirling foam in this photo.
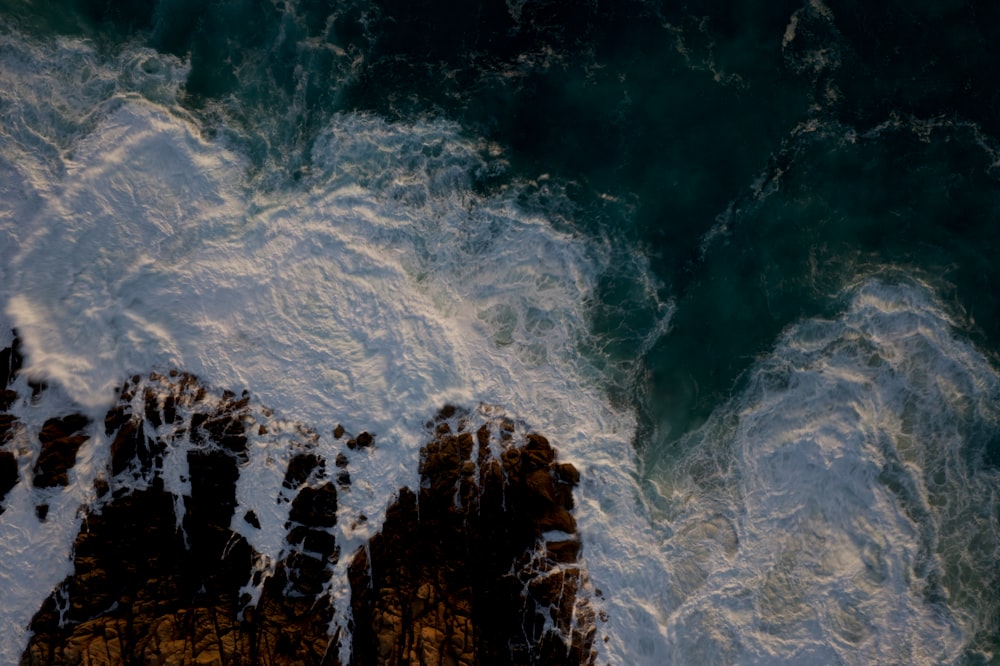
(371, 291)
(839, 510)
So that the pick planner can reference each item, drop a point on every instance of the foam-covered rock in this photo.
(478, 566)
(161, 578)
(462, 571)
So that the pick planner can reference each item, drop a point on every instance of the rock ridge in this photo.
(478, 565)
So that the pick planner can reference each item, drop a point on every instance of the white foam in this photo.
(371, 293)
(35, 552)
(802, 523)
(829, 513)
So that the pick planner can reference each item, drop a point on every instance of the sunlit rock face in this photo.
(479, 566)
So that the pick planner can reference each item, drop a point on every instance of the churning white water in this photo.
(372, 291)
(836, 510)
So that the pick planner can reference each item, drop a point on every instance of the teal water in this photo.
(789, 189)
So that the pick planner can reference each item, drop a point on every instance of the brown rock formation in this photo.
(479, 567)
(61, 439)
(152, 587)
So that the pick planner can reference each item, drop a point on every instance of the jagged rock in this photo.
(478, 566)
(460, 573)
(144, 591)
(61, 439)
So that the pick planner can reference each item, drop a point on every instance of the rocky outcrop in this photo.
(59, 437)
(478, 566)
(161, 577)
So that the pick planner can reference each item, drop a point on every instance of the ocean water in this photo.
(738, 262)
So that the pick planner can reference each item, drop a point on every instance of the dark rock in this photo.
(143, 591)
(300, 468)
(567, 473)
(130, 444)
(479, 566)
(8, 474)
(7, 423)
(170, 409)
(338, 432)
(562, 551)
(317, 541)
(153, 408)
(227, 431)
(11, 362)
(315, 506)
(459, 574)
(116, 418)
(61, 439)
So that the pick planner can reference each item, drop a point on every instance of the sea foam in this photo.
(838, 510)
(377, 287)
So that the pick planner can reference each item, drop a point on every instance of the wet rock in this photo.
(7, 423)
(460, 574)
(478, 565)
(8, 474)
(315, 506)
(154, 587)
(11, 362)
(300, 468)
(60, 439)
